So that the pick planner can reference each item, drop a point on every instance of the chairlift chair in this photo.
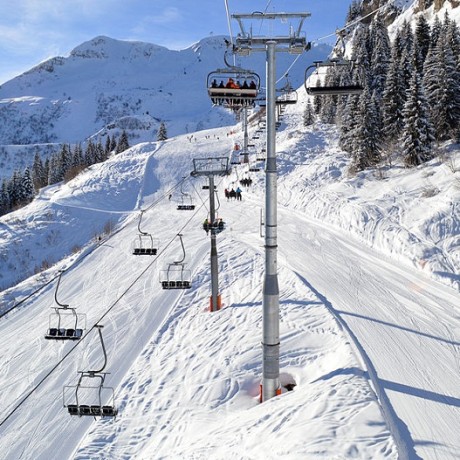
(186, 203)
(176, 276)
(144, 244)
(233, 87)
(346, 69)
(216, 227)
(65, 323)
(286, 95)
(90, 397)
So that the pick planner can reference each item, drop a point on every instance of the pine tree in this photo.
(39, 175)
(308, 114)
(394, 97)
(27, 192)
(442, 84)
(417, 134)
(162, 133)
(348, 125)
(77, 157)
(423, 36)
(90, 153)
(365, 151)
(107, 148)
(13, 188)
(123, 143)
(5, 202)
(381, 49)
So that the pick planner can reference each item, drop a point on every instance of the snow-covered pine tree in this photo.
(39, 174)
(365, 149)
(394, 97)
(380, 56)
(90, 153)
(442, 84)
(5, 202)
(308, 114)
(27, 192)
(123, 143)
(417, 135)
(162, 133)
(423, 37)
(348, 123)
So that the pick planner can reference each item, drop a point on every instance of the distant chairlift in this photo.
(286, 95)
(65, 323)
(186, 203)
(144, 244)
(176, 276)
(90, 397)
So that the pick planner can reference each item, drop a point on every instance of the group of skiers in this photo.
(233, 194)
(218, 224)
(246, 182)
(231, 84)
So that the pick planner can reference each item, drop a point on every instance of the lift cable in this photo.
(36, 291)
(51, 371)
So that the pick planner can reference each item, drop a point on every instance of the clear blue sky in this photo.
(32, 31)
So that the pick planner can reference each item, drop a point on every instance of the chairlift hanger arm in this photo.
(99, 371)
(183, 250)
(139, 223)
(56, 291)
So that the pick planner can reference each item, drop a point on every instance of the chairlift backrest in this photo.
(322, 84)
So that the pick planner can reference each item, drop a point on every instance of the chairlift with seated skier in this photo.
(65, 323)
(233, 87)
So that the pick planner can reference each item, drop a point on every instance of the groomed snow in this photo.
(368, 271)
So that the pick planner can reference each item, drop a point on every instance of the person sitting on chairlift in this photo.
(231, 84)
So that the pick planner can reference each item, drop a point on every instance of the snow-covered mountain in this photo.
(107, 85)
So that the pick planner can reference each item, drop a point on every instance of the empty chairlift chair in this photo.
(144, 244)
(186, 201)
(65, 323)
(337, 76)
(176, 276)
(90, 396)
(286, 95)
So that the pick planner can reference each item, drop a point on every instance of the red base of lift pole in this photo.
(219, 303)
(278, 392)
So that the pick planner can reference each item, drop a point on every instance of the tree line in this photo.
(21, 188)
(411, 96)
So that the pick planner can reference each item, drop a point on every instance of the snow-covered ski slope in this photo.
(369, 333)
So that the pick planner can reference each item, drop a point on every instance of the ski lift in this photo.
(65, 323)
(287, 94)
(349, 71)
(216, 227)
(90, 397)
(144, 244)
(186, 203)
(176, 276)
(233, 87)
